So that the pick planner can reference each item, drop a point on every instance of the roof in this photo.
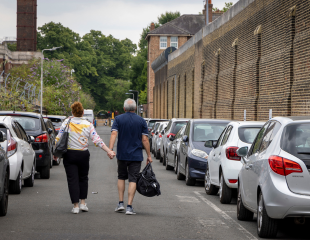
(20, 113)
(210, 120)
(187, 25)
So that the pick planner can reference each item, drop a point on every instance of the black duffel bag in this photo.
(147, 185)
(62, 144)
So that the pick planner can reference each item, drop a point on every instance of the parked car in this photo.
(4, 175)
(57, 121)
(172, 129)
(174, 153)
(224, 164)
(152, 135)
(20, 154)
(274, 179)
(157, 142)
(194, 154)
(52, 138)
(89, 115)
(34, 125)
(150, 125)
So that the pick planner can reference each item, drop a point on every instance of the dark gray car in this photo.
(4, 176)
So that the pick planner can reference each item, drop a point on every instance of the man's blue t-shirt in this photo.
(130, 129)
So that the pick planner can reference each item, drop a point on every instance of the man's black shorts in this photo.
(128, 170)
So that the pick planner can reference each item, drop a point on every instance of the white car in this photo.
(20, 154)
(224, 164)
(158, 139)
(89, 115)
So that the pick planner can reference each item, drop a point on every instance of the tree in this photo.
(226, 8)
(167, 17)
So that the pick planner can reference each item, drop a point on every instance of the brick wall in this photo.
(256, 61)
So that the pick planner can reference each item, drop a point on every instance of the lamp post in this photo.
(52, 49)
(137, 97)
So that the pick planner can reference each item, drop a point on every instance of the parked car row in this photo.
(267, 164)
(27, 141)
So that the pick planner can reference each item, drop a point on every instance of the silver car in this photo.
(274, 179)
(157, 139)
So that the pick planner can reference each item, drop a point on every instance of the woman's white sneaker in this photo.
(83, 207)
(75, 210)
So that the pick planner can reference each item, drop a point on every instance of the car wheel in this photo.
(157, 154)
(5, 198)
(161, 159)
(225, 191)
(164, 160)
(16, 186)
(180, 176)
(210, 188)
(176, 164)
(243, 214)
(188, 180)
(45, 172)
(266, 226)
(168, 167)
(51, 159)
(29, 182)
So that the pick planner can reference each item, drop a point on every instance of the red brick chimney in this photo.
(152, 26)
(210, 11)
(27, 25)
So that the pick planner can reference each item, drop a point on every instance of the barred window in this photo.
(174, 42)
(163, 42)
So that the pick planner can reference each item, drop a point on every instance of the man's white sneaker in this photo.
(83, 207)
(75, 210)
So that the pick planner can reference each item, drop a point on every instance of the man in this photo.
(132, 134)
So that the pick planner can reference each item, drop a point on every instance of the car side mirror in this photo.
(171, 138)
(185, 138)
(242, 152)
(156, 133)
(49, 131)
(30, 139)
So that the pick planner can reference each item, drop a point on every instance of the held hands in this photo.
(111, 154)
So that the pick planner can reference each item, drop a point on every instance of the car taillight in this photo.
(170, 134)
(12, 147)
(152, 133)
(160, 135)
(232, 180)
(231, 154)
(42, 138)
(283, 166)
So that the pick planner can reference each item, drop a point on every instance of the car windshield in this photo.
(56, 122)
(207, 131)
(248, 134)
(28, 123)
(296, 140)
(177, 126)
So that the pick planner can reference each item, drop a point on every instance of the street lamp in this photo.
(52, 49)
(137, 97)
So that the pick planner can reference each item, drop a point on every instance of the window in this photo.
(269, 135)
(226, 136)
(22, 132)
(207, 131)
(174, 42)
(163, 42)
(28, 123)
(248, 134)
(257, 142)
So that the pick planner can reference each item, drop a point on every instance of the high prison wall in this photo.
(255, 57)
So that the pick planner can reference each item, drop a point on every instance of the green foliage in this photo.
(167, 17)
(12, 46)
(116, 96)
(97, 59)
(226, 8)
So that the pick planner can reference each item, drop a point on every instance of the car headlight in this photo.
(199, 153)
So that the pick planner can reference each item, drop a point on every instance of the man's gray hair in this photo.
(130, 105)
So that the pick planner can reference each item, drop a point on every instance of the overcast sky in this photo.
(120, 18)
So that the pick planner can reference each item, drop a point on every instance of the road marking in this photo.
(212, 222)
(187, 199)
(226, 216)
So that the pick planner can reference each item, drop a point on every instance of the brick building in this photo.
(172, 34)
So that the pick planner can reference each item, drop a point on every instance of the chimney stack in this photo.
(152, 26)
(204, 12)
(27, 25)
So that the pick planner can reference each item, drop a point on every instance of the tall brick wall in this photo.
(256, 61)
(26, 25)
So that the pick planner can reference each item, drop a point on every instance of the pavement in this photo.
(181, 212)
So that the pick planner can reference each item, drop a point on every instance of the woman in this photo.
(76, 159)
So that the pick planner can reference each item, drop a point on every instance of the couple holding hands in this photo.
(132, 134)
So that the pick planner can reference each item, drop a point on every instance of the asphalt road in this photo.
(181, 212)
